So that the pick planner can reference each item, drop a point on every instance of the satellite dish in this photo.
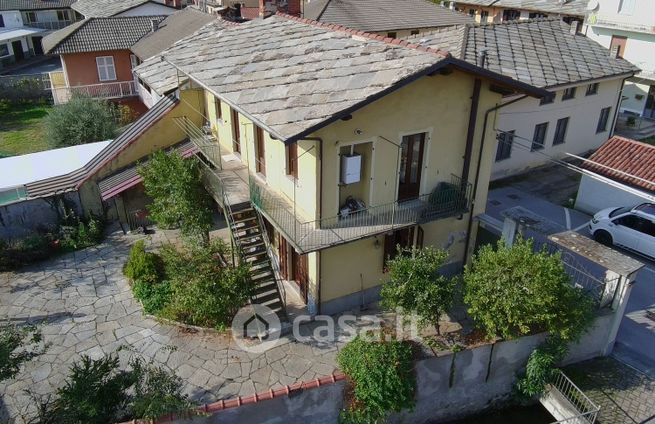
(593, 5)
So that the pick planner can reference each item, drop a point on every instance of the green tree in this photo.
(179, 198)
(416, 285)
(17, 346)
(513, 291)
(81, 120)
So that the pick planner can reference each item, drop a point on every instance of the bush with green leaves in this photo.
(97, 391)
(204, 290)
(514, 291)
(143, 266)
(382, 376)
(80, 233)
(178, 195)
(416, 286)
(82, 120)
(541, 368)
(17, 346)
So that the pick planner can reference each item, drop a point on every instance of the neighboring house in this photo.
(17, 41)
(387, 17)
(108, 8)
(487, 11)
(584, 78)
(96, 57)
(175, 27)
(628, 162)
(627, 28)
(346, 143)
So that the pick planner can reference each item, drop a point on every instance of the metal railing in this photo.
(110, 90)
(447, 200)
(205, 141)
(586, 410)
(49, 24)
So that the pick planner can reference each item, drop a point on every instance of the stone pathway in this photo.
(84, 306)
(624, 394)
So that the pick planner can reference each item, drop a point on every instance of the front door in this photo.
(18, 50)
(236, 132)
(283, 252)
(299, 272)
(411, 162)
(259, 146)
(38, 47)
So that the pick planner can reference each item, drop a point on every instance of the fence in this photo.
(585, 410)
(112, 90)
(49, 24)
(25, 87)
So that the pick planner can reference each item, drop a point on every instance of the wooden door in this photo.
(236, 132)
(283, 251)
(300, 273)
(18, 50)
(259, 147)
(411, 164)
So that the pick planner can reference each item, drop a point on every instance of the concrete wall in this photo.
(594, 195)
(583, 112)
(23, 218)
(81, 68)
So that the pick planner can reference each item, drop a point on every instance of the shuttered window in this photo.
(106, 70)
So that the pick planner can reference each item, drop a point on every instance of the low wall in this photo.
(448, 387)
(23, 218)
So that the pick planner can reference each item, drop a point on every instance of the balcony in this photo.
(612, 22)
(49, 25)
(110, 90)
(229, 182)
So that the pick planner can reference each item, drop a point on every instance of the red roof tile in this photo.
(627, 157)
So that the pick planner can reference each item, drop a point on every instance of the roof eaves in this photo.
(141, 4)
(84, 23)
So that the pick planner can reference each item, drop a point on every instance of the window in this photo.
(592, 89)
(637, 223)
(539, 136)
(511, 15)
(560, 131)
(569, 93)
(602, 120)
(537, 15)
(4, 50)
(627, 7)
(62, 15)
(504, 149)
(617, 45)
(471, 12)
(134, 61)
(414, 32)
(218, 108)
(484, 16)
(31, 17)
(547, 100)
(391, 34)
(106, 70)
(292, 159)
(2, 21)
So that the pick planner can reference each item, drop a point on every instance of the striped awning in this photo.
(129, 177)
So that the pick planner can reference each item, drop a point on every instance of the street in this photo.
(635, 344)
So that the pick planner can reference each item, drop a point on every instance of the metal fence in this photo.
(203, 139)
(112, 90)
(586, 411)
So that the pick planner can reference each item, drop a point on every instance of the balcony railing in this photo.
(203, 139)
(584, 411)
(110, 90)
(447, 199)
(49, 24)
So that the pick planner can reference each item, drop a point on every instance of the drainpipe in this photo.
(616, 108)
(468, 152)
(477, 171)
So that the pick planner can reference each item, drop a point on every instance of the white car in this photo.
(629, 227)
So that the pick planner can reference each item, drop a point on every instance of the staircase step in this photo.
(267, 298)
(253, 242)
(243, 220)
(265, 289)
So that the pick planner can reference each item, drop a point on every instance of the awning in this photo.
(129, 177)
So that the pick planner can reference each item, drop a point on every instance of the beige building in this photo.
(496, 11)
(586, 83)
(387, 145)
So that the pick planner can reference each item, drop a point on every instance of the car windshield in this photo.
(620, 211)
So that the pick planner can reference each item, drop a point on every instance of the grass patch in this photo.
(22, 128)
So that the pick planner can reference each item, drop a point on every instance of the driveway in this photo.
(635, 342)
(84, 306)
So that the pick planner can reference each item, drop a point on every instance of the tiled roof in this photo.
(293, 77)
(540, 52)
(568, 7)
(160, 75)
(99, 34)
(35, 4)
(106, 8)
(173, 28)
(383, 15)
(74, 180)
(628, 156)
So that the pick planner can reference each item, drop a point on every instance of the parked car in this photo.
(629, 227)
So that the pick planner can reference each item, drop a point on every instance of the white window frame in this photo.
(104, 64)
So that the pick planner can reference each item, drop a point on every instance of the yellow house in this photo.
(346, 144)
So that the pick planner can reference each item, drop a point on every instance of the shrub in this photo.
(153, 296)
(382, 375)
(513, 291)
(541, 368)
(416, 286)
(16, 253)
(17, 346)
(141, 266)
(81, 120)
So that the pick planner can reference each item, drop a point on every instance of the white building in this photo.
(627, 27)
(17, 41)
(582, 75)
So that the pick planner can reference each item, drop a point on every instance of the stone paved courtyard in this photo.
(624, 394)
(84, 306)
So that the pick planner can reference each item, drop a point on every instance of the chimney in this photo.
(293, 7)
(154, 23)
(574, 27)
(262, 8)
(482, 57)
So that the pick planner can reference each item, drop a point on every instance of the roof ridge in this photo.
(364, 34)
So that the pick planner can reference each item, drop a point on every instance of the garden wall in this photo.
(23, 218)
(449, 387)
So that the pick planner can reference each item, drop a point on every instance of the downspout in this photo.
(616, 108)
(468, 152)
(477, 171)
(320, 212)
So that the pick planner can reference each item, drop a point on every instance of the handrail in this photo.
(109, 90)
(586, 408)
(207, 143)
